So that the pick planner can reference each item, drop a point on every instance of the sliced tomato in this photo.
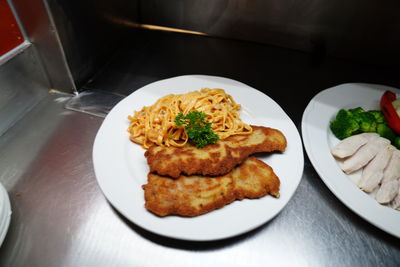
(391, 116)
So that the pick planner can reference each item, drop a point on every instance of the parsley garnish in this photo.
(197, 128)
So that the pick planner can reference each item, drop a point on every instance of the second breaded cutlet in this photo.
(195, 195)
(216, 159)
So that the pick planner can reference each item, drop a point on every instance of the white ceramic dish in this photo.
(5, 213)
(318, 141)
(121, 167)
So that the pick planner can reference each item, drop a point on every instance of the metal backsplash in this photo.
(87, 33)
(40, 30)
(76, 38)
(24, 78)
(22, 85)
(73, 39)
(367, 31)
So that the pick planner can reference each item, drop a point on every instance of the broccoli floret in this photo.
(383, 130)
(355, 111)
(396, 142)
(357, 120)
(367, 122)
(344, 125)
(379, 118)
(365, 119)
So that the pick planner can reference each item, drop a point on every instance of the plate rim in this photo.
(5, 221)
(296, 135)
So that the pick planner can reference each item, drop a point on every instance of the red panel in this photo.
(10, 34)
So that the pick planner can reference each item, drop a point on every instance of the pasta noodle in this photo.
(155, 124)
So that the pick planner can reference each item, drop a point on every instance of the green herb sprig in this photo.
(197, 128)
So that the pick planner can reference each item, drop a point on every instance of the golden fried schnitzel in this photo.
(216, 159)
(195, 195)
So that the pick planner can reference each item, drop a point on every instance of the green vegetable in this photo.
(344, 125)
(197, 128)
(379, 118)
(367, 122)
(396, 142)
(354, 121)
(385, 131)
(355, 111)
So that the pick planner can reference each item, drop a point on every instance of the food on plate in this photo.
(348, 122)
(362, 148)
(196, 195)
(372, 174)
(384, 131)
(392, 170)
(353, 121)
(364, 155)
(396, 105)
(215, 159)
(350, 145)
(395, 203)
(388, 104)
(380, 164)
(197, 128)
(198, 149)
(396, 142)
(387, 191)
(344, 125)
(155, 124)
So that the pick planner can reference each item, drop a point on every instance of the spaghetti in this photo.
(155, 124)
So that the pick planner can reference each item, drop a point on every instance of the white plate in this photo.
(5, 213)
(121, 167)
(318, 141)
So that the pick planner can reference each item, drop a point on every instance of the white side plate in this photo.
(318, 141)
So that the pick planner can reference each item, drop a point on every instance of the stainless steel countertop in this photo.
(61, 218)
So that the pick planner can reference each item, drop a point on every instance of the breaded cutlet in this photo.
(195, 195)
(216, 159)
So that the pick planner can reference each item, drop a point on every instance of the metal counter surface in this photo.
(61, 218)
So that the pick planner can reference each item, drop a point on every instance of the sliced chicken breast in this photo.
(392, 170)
(387, 192)
(396, 201)
(372, 174)
(364, 155)
(350, 145)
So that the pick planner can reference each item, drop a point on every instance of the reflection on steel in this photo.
(128, 23)
(23, 84)
(94, 102)
(14, 52)
(349, 29)
(87, 39)
(41, 32)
